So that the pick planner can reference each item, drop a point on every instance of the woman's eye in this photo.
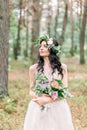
(45, 46)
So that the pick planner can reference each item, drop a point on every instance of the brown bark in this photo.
(56, 20)
(36, 13)
(49, 18)
(64, 23)
(27, 34)
(72, 29)
(17, 45)
(82, 34)
(4, 45)
(10, 6)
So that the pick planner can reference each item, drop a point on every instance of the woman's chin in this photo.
(42, 55)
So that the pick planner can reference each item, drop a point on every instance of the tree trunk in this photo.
(49, 18)
(4, 45)
(10, 10)
(26, 16)
(45, 14)
(27, 35)
(72, 29)
(10, 7)
(17, 45)
(64, 22)
(82, 34)
(36, 13)
(56, 21)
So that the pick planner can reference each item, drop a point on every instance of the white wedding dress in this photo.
(55, 115)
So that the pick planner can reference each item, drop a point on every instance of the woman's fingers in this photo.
(47, 95)
(35, 96)
(42, 100)
(33, 99)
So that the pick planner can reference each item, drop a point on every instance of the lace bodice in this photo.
(51, 76)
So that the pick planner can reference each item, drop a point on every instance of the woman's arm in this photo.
(43, 99)
(32, 94)
(65, 76)
(32, 81)
(47, 99)
(40, 100)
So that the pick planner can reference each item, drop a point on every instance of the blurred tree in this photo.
(27, 35)
(36, 14)
(17, 47)
(72, 28)
(45, 17)
(26, 17)
(64, 22)
(10, 6)
(10, 10)
(79, 12)
(82, 33)
(56, 20)
(49, 18)
(4, 45)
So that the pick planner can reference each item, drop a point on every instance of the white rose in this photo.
(50, 41)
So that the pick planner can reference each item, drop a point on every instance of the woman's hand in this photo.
(43, 99)
(33, 94)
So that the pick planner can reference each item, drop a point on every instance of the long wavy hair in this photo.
(53, 58)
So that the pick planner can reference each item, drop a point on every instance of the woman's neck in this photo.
(46, 62)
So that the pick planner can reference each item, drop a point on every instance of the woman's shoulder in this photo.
(33, 67)
(64, 66)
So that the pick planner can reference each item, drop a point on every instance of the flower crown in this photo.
(50, 44)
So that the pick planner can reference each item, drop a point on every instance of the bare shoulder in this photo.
(33, 68)
(64, 66)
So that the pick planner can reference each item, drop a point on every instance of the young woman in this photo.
(56, 114)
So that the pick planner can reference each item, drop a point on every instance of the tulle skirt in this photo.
(54, 116)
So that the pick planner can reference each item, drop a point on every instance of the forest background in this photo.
(21, 23)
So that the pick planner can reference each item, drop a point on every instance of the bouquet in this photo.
(54, 88)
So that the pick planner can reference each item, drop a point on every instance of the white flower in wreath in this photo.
(50, 43)
(56, 49)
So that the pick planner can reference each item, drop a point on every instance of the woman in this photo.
(56, 114)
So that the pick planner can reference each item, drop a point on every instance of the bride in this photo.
(56, 115)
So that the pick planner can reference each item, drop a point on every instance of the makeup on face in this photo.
(43, 50)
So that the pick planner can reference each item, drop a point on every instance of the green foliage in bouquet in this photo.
(43, 86)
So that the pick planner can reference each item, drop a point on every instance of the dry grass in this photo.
(13, 108)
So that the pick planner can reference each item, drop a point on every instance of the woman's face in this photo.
(43, 50)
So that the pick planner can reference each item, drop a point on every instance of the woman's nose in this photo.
(41, 47)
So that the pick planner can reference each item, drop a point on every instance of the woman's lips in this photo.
(41, 52)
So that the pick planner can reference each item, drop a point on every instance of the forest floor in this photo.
(13, 108)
